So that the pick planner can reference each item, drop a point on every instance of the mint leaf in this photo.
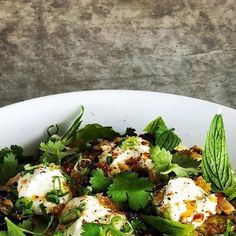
(154, 125)
(99, 181)
(9, 168)
(127, 186)
(216, 162)
(168, 227)
(166, 138)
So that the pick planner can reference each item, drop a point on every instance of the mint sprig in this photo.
(216, 165)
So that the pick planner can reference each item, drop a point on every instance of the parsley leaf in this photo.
(127, 186)
(165, 226)
(216, 162)
(9, 168)
(99, 181)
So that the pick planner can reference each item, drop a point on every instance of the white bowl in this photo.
(25, 123)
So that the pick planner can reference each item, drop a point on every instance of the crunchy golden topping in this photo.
(203, 184)
(224, 205)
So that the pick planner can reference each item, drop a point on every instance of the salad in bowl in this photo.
(96, 181)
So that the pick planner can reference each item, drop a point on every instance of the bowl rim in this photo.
(107, 91)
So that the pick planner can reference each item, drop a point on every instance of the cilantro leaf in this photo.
(165, 226)
(127, 186)
(9, 168)
(53, 152)
(91, 229)
(216, 162)
(99, 181)
(154, 125)
(14, 230)
(26, 224)
(92, 132)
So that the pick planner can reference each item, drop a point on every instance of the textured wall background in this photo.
(185, 47)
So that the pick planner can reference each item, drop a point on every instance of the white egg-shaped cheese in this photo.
(186, 202)
(40, 181)
(92, 211)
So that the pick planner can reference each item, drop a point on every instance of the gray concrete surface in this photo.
(185, 47)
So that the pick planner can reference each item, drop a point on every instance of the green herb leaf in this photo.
(230, 229)
(72, 131)
(166, 138)
(181, 171)
(99, 181)
(129, 187)
(91, 229)
(8, 168)
(164, 163)
(168, 227)
(53, 152)
(184, 160)
(215, 162)
(92, 132)
(161, 158)
(153, 126)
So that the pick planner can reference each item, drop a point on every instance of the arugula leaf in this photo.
(161, 158)
(154, 125)
(171, 228)
(92, 132)
(9, 168)
(127, 186)
(166, 138)
(216, 162)
(184, 160)
(99, 181)
(91, 229)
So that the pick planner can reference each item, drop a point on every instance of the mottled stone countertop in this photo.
(185, 47)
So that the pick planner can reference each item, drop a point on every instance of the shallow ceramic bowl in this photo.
(25, 123)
